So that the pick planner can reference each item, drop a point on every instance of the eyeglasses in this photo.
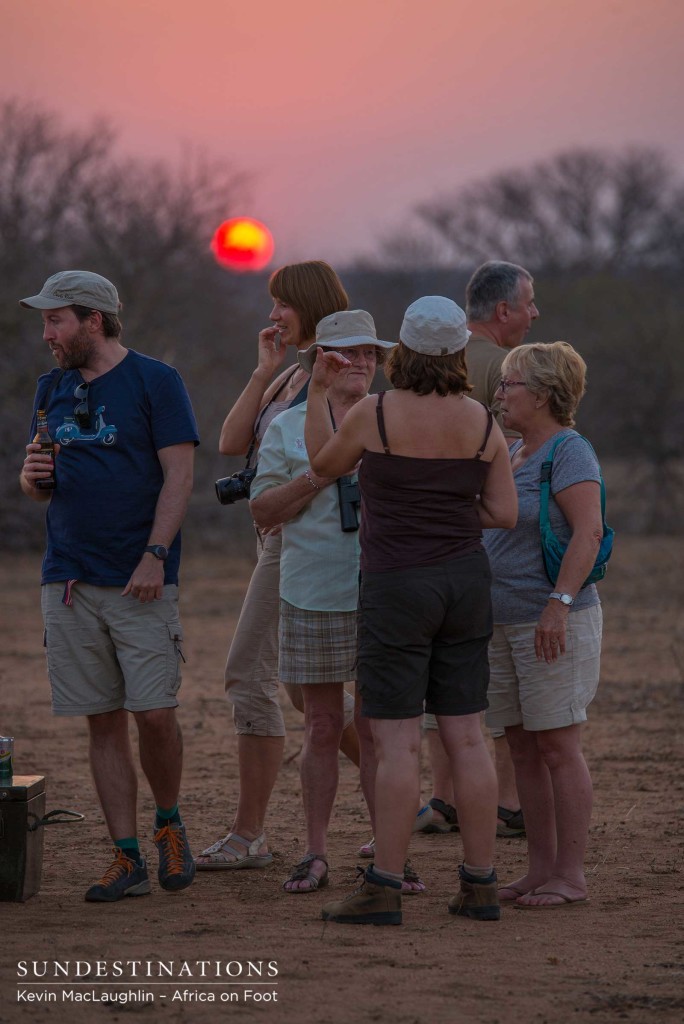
(355, 353)
(504, 385)
(82, 410)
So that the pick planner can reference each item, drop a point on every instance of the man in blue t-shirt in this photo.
(125, 435)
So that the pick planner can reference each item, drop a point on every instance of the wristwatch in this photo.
(563, 598)
(158, 550)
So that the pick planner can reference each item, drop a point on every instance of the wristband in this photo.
(308, 476)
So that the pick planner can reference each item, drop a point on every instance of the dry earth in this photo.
(618, 958)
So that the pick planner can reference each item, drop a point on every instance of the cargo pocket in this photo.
(176, 658)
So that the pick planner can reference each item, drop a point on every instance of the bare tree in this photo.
(44, 170)
(67, 200)
(583, 210)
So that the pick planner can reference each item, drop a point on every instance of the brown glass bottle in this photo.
(46, 443)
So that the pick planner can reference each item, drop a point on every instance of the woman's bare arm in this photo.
(581, 505)
(497, 506)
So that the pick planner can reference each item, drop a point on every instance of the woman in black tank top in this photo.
(434, 472)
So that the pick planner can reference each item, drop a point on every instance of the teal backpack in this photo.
(553, 549)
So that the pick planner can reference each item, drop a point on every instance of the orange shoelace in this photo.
(173, 848)
(115, 870)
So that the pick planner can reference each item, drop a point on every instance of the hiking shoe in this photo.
(376, 901)
(176, 863)
(124, 877)
(478, 898)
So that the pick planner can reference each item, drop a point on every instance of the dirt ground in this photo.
(618, 958)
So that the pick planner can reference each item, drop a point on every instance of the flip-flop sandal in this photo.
(302, 873)
(566, 901)
(223, 857)
(512, 888)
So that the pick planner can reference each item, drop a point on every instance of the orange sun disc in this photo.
(243, 244)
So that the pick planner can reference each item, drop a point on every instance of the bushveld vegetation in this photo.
(603, 234)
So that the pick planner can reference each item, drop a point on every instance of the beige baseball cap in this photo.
(434, 326)
(345, 329)
(77, 288)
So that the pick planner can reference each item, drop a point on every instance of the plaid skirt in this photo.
(316, 647)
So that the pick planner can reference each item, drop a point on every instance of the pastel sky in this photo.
(348, 113)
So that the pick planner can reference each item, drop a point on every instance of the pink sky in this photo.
(349, 113)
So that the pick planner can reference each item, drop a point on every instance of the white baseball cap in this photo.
(434, 326)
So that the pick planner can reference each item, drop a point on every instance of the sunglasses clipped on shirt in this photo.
(82, 410)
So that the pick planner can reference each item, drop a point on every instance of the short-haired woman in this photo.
(545, 652)
(302, 294)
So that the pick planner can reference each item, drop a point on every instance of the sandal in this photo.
(423, 818)
(513, 824)
(220, 856)
(450, 823)
(368, 849)
(514, 889)
(411, 877)
(302, 873)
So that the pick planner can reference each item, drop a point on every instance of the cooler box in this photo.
(22, 807)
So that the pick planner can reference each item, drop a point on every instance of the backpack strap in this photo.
(301, 395)
(297, 400)
(545, 480)
(381, 422)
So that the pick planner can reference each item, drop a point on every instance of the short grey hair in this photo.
(491, 283)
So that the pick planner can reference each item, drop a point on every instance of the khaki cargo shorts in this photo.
(106, 652)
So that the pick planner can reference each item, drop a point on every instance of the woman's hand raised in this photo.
(271, 352)
(327, 367)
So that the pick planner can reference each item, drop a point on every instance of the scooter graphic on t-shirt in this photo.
(69, 431)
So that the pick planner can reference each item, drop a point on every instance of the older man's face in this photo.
(521, 314)
(355, 380)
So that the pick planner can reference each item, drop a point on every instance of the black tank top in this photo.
(418, 511)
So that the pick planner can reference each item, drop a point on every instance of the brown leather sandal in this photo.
(302, 873)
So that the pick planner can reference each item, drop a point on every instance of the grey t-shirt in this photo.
(520, 586)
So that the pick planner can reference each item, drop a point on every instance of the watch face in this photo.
(159, 551)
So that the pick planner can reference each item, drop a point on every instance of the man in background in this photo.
(500, 306)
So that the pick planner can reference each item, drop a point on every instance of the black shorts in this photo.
(423, 637)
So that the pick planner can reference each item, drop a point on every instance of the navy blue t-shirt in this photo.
(109, 475)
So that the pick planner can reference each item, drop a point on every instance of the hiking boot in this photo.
(376, 901)
(124, 877)
(176, 863)
(478, 898)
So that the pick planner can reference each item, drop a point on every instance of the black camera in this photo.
(230, 489)
(350, 501)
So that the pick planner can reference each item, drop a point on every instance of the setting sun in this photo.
(243, 244)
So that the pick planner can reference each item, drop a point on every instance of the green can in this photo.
(6, 751)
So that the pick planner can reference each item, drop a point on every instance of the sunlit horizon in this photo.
(346, 118)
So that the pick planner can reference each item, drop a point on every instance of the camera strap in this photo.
(297, 400)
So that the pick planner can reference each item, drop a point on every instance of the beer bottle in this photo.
(46, 443)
